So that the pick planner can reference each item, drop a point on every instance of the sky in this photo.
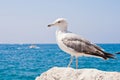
(25, 21)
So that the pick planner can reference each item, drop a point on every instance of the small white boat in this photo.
(33, 46)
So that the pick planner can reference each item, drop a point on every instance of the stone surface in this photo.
(61, 73)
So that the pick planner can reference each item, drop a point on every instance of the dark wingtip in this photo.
(108, 55)
(117, 53)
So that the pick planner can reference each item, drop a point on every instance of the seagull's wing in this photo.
(82, 45)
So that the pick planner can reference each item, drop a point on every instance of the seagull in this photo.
(76, 45)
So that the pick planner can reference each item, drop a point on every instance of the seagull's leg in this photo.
(76, 62)
(70, 61)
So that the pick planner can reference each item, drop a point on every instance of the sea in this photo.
(23, 62)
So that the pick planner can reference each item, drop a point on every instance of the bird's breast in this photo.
(64, 48)
(59, 38)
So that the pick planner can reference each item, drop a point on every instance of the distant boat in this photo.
(33, 46)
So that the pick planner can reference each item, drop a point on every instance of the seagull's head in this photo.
(60, 22)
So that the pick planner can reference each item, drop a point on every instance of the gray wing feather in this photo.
(83, 46)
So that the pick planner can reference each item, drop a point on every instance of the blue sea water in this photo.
(19, 62)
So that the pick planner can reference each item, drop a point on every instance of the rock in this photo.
(58, 73)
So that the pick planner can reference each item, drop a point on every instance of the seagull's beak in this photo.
(50, 25)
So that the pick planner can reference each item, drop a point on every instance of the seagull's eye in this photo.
(59, 21)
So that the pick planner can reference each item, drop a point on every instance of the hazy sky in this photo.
(25, 21)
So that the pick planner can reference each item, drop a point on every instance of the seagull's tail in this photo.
(108, 55)
(117, 53)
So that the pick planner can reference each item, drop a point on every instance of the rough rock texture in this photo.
(58, 73)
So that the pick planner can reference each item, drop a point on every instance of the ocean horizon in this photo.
(27, 61)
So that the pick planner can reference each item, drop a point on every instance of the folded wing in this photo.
(81, 45)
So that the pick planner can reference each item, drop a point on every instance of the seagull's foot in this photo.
(70, 61)
(76, 62)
